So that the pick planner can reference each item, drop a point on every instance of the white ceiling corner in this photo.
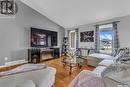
(70, 13)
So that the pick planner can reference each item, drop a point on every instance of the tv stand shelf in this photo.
(37, 55)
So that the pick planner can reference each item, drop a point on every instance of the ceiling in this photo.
(70, 13)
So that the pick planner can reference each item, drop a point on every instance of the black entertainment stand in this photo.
(37, 55)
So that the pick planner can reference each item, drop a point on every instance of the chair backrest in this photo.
(85, 51)
(82, 51)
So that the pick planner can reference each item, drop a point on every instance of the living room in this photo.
(93, 30)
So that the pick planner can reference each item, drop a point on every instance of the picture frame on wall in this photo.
(87, 36)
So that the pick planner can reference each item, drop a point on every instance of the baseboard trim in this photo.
(12, 63)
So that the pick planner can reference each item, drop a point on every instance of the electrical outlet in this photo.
(6, 58)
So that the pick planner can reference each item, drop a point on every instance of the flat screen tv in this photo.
(43, 38)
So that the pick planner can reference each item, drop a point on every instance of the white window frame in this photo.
(102, 27)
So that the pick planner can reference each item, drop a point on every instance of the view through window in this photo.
(106, 38)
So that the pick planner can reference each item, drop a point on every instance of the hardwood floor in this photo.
(62, 75)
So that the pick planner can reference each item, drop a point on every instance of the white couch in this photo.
(37, 78)
(96, 58)
(102, 61)
(106, 63)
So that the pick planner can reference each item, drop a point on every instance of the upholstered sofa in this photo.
(38, 78)
(97, 59)
(102, 61)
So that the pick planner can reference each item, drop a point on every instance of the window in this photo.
(72, 39)
(106, 38)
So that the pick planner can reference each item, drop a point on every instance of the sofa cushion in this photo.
(122, 53)
(98, 70)
(96, 58)
(26, 83)
(24, 68)
(100, 56)
(41, 78)
(106, 63)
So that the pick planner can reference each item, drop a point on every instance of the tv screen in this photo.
(38, 39)
(43, 38)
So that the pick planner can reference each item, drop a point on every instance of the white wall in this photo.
(123, 29)
(14, 32)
